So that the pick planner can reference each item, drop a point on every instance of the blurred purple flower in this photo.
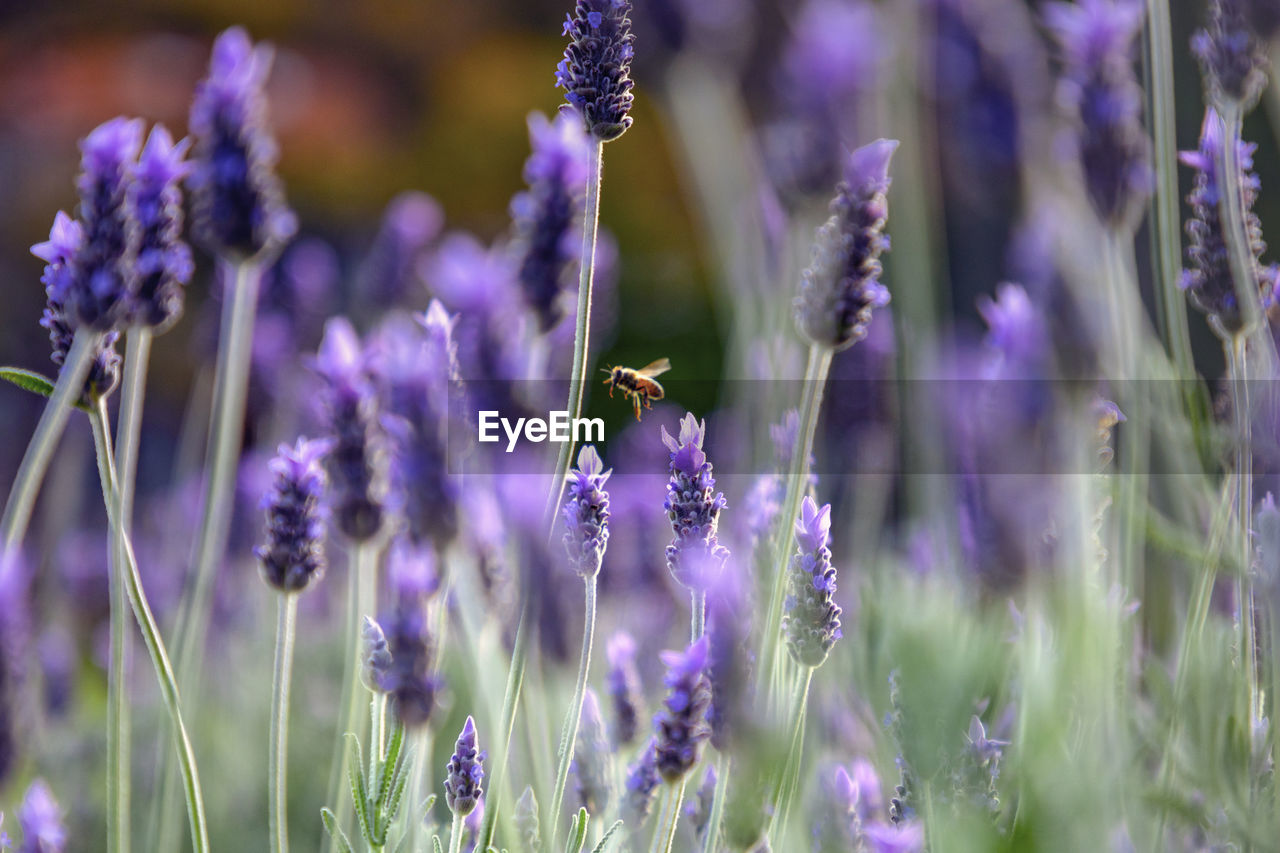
(293, 555)
(836, 50)
(729, 662)
(642, 784)
(681, 725)
(592, 764)
(695, 556)
(164, 258)
(375, 657)
(412, 684)
(390, 271)
(462, 784)
(41, 821)
(812, 621)
(1233, 58)
(624, 687)
(586, 515)
(837, 827)
(15, 643)
(906, 837)
(596, 70)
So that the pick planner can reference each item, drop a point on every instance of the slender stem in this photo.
(569, 734)
(582, 331)
(1244, 511)
(287, 612)
(815, 378)
(1231, 211)
(711, 839)
(151, 635)
(35, 461)
(422, 746)
(455, 834)
(698, 610)
(118, 752)
(510, 705)
(665, 834)
(785, 789)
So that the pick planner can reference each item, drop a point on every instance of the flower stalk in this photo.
(286, 618)
(568, 734)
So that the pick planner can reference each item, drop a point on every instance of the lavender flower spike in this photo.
(1232, 57)
(410, 681)
(1100, 90)
(842, 285)
(41, 821)
(586, 514)
(624, 687)
(596, 70)
(1207, 279)
(462, 786)
(238, 207)
(104, 270)
(164, 258)
(65, 239)
(592, 764)
(681, 725)
(642, 783)
(812, 620)
(293, 555)
(544, 215)
(695, 556)
(375, 657)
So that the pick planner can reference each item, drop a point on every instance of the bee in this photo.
(639, 385)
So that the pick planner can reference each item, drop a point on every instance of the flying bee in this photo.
(639, 385)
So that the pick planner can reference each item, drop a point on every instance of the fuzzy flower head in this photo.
(586, 513)
(462, 785)
(411, 681)
(837, 827)
(841, 286)
(592, 764)
(525, 817)
(66, 237)
(164, 258)
(375, 657)
(1099, 89)
(41, 820)
(390, 271)
(812, 620)
(596, 70)
(293, 555)
(681, 726)
(642, 784)
(729, 663)
(238, 205)
(1233, 59)
(695, 557)
(624, 687)
(544, 216)
(1207, 278)
(1017, 331)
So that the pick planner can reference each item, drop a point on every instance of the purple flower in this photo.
(592, 764)
(642, 784)
(812, 621)
(1017, 331)
(410, 681)
(975, 780)
(1101, 92)
(293, 555)
(164, 258)
(1233, 58)
(41, 821)
(357, 464)
(66, 238)
(838, 827)
(375, 657)
(695, 557)
(841, 286)
(905, 837)
(1207, 279)
(624, 687)
(389, 272)
(5, 843)
(596, 70)
(462, 785)
(238, 206)
(544, 215)
(586, 515)
(728, 664)
(681, 725)
(835, 52)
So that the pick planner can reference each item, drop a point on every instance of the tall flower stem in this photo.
(815, 378)
(785, 790)
(1244, 512)
(287, 612)
(455, 834)
(698, 614)
(35, 461)
(118, 751)
(569, 734)
(510, 705)
(665, 834)
(150, 633)
(582, 330)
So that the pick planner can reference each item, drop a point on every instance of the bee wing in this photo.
(660, 366)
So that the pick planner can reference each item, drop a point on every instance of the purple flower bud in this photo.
(695, 557)
(375, 657)
(1100, 90)
(462, 785)
(410, 681)
(544, 216)
(812, 621)
(41, 821)
(238, 207)
(681, 725)
(586, 515)
(1017, 331)
(525, 816)
(841, 286)
(1207, 279)
(596, 70)
(624, 687)
(592, 764)
(357, 465)
(164, 258)
(390, 271)
(642, 784)
(1233, 58)
(66, 238)
(293, 555)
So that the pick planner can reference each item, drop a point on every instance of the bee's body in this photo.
(638, 385)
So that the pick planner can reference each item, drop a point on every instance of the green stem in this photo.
(665, 835)
(455, 834)
(698, 610)
(569, 734)
(510, 705)
(1231, 211)
(1244, 512)
(582, 331)
(815, 378)
(35, 461)
(118, 752)
(277, 782)
(711, 839)
(785, 789)
(151, 634)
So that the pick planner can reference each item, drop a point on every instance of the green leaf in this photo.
(578, 833)
(335, 832)
(604, 842)
(435, 842)
(359, 793)
(36, 383)
(392, 765)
